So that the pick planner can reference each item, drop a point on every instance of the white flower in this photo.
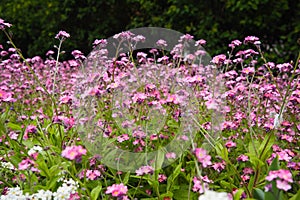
(7, 165)
(212, 195)
(35, 149)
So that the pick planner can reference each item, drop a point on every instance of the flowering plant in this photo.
(43, 154)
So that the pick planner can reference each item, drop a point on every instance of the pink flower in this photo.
(101, 43)
(243, 158)
(283, 185)
(285, 177)
(117, 190)
(139, 97)
(219, 59)
(200, 42)
(73, 152)
(250, 39)
(65, 99)
(162, 178)
(248, 71)
(230, 144)
(161, 43)
(198, 185)
(248, 170)
(26, 164)
(186, 37)
(92, 174)
(171, 155)
(74, 196)
(4, 25)
(123, 138)
(126, 35)
(62, 35)
(144, 170)
(235, 43)
(29, 129)
(139, 38)
(78, 54)
(219, 166)
(6, 96)
(202, 157)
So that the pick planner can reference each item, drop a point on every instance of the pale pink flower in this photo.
(62, 35)
(203, 157)
(4, 25)
(92, 174)
(200, 42)
(250, 39)
(219, 59)
(283, 185)
(171, 155)
(144, 170)
(161, 43)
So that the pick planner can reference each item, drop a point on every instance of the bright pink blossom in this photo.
(117, 190)
(73, 152)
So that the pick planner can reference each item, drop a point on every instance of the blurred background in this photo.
(36, 22)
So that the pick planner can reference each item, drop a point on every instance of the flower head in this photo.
(203, 157)
(144, 170)
(73, 152)
(219, 59)
(117, 190)
(62, 35)
(4, 25)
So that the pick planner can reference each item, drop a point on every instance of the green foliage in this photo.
(35, 23)
(275, 22)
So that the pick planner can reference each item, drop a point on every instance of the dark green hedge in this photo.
(276, 22)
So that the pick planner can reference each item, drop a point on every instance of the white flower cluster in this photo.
(63, 192)
(212, 195)
(7, 165)
(35, 149)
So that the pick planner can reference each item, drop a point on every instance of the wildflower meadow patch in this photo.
(148, 114)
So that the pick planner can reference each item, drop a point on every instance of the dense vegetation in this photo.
(275, 22)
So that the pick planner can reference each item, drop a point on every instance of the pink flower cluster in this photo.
(144, 170)
(3, 24)
(200, 185)
(117, 190)
(203, 157)
(62, 35)
(74, 153)
(283, 178)
(26, 164)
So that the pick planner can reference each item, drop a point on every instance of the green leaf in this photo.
(14, 126)
(168, 194)
(52, 182)
(296, 196)
(222, 151)
(95, 192)
(44, 168)
(265, 146)
(274, 165)
(126, 178)
(160, 157)
(184, 193)
(258, 194)
(253, 145)
(238, 194)
(173, 176)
